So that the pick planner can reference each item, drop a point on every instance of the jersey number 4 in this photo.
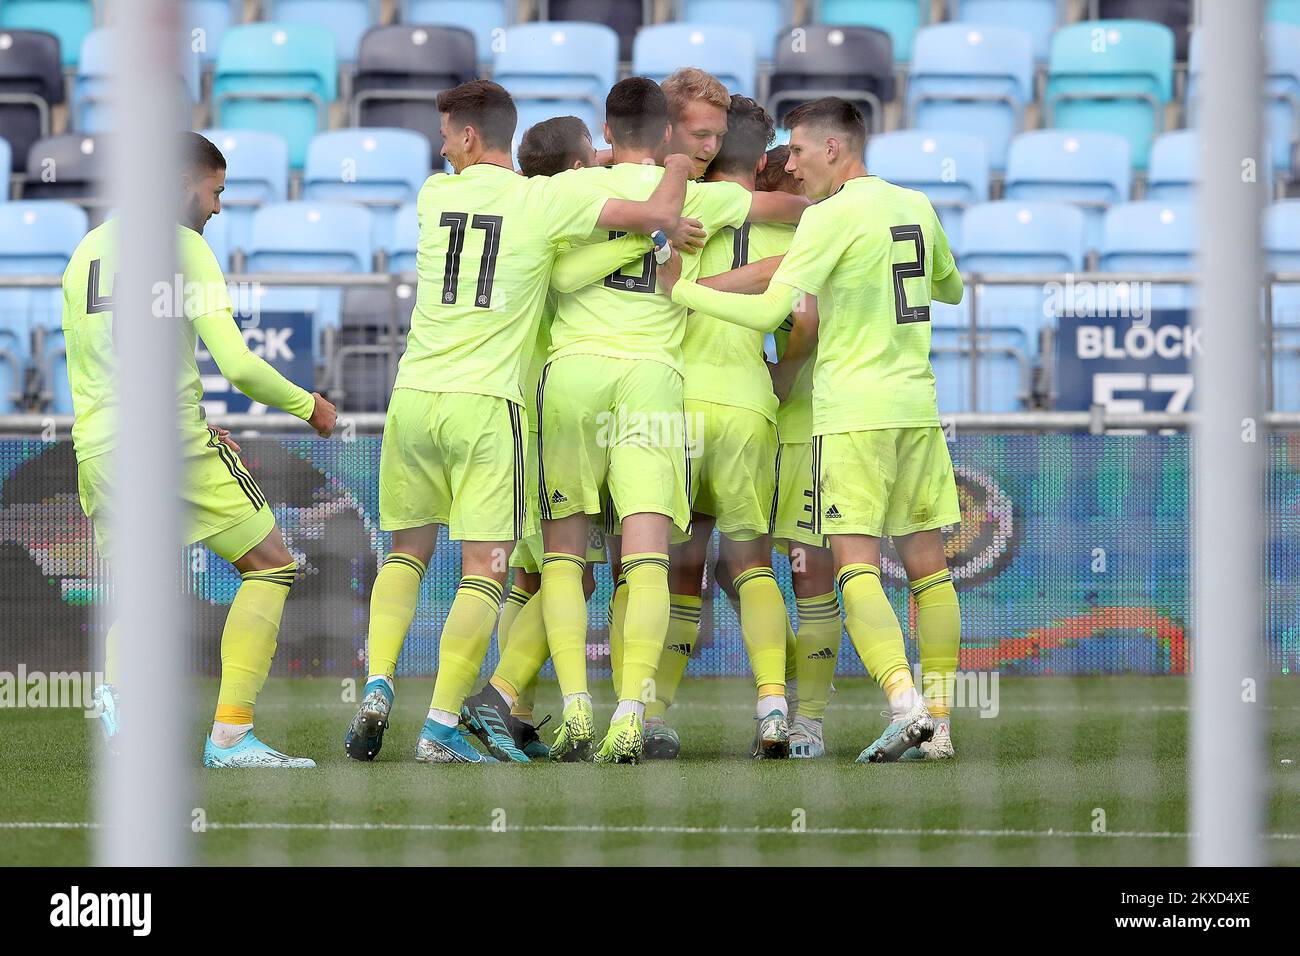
(915, 269)
(487, 267)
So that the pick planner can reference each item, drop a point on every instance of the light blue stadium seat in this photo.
(279, 78)
(1085, 167)
(486, 19)
(1012, 237)
(217, 234)
(1037, 17)
(309, 237)
(380, 168)
(406, 239)
(257, 172)
(346, 19)
(1281, 91)
(951, 168)
(725, 52)
(69, 20)
(1282, 245)
(761, 19)
(1152, 236)
(6, 167)
(1175, 167)
(972, 78)
(899, 18)
(1283, 11)
(92, 89)
(212, 18)
(1112, 75)
(36, 238)
(558, 69)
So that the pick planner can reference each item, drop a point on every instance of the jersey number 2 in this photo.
(491, 225)
(915, 269)
(645, 282)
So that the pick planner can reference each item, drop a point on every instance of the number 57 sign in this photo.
(1126, 366)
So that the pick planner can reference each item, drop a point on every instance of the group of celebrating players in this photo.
(585, 370)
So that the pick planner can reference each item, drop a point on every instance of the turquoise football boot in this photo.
(251, 753)
(911, 730)
(442, 744)
(366, 733)
(106, 710)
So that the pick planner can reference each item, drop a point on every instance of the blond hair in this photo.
(688, 84)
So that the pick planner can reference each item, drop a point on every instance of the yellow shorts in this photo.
(528, 552)
(613, 437)
(794, 496)
(733, 467)
(887, 481)
(224, 506)
(456, 459)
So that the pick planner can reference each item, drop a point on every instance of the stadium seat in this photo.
(1175, 167)
(6, 167)
(1087, 168)
(72, 167)
(400, 70)
(367, 347)
(486, 19)
(92, 88)
(972, 79)
(346, 19)
(69, 20)
(379, 168)
(406, 239)
(1121, 83)
(856, 63)
(279, 78)
(211, 19)
(1010, 237)
(1282, 246)
(624, 17)
(36, 238)
(1037, 17)
(1284, 11)
(309, 237)
(217, 234)
(257, 172)
(727, 54)
(558, 69)
(31, 82)
(899, 18)
(1152, 236)
(1175, 14)
(763, 20)
(950, 168)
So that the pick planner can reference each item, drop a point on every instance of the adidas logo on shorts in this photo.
(557, 498)
(824, 654)
(832, 512)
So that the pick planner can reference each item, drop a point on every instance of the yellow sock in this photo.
(248, 641)
(617, 612)
(564, 611)
(464, 641)
(762, 624)
(874, 628)
(683, 629)
(938, 630)
(645, 625)
(392, 607)
(526, 650)
(818, 649)
(791, 652)
(110, 654)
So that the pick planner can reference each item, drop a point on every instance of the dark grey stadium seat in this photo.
(400, 70)
(1175, 14)
(31, 81)
(624, 17)
(856, 63)
(72, 167)
(366, 352)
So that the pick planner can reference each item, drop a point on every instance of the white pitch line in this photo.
(961, 833)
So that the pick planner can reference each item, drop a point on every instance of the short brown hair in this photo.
(834, 115)
(484, 105)
(200, 154)
(690, 83)
(773, 178)
(637, 112)
(552, 146)
(749, 130)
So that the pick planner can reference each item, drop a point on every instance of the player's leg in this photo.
(817, 644)
(763, 624)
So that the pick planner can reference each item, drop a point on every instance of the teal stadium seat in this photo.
(69, 20)
(202, 24)
(348, 20)
(1088, 168)
(1282, 246)
(952, 169)
(1112, 75)
(761, 19)
(378, 168)
(486, 19)
(1039, 18)
(257, 172)
(278, 78)
(1152, 236)
(726, 53)
(899, 18)
(1283, 11)
(972, 78)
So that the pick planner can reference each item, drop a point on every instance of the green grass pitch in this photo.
(1029, 786)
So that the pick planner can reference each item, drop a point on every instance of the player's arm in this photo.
(749, 278)
(660, 212)
(946, 285)
(798, 348)
(776, 207)
(255, 377)
(762, 312)
(949, 289)
(581, 267)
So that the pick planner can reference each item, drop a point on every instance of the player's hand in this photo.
(782, 380)
(688, 235)
(675, 162)
(223, 436)
(323, 416)
(605, 157)
(668, 273)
